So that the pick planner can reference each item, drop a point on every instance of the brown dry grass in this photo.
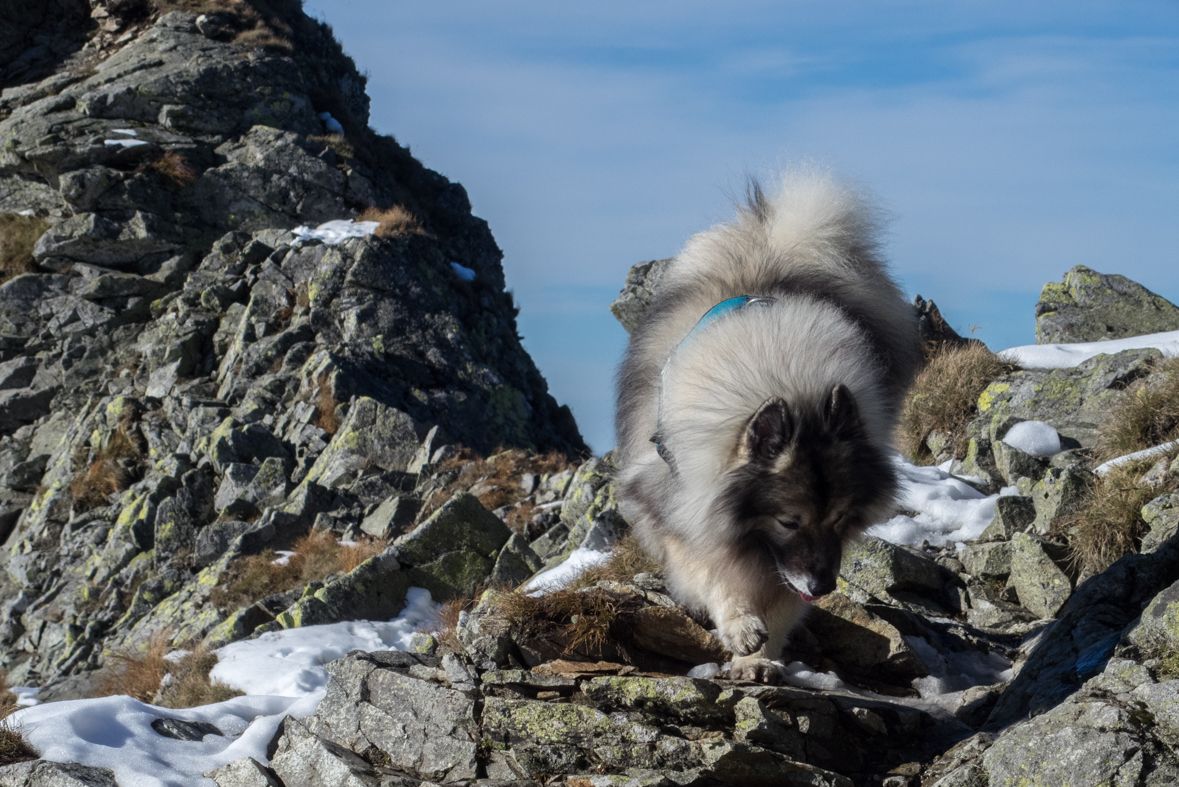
(626, 560)
(256, 24)
(393, 222)
(325, 406)
(191, 685)
(136, 674)
(13, 747)
(1145, 415)
(944, 397)
(1108, 523)
(18, 235)
(498, 477)
(175, 167)
(103, 476)
(7, 698)
(338, 143)
(584, 620)
(317, 555)
(446, 629)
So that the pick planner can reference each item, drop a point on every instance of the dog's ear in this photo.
(768, 431)
(843, 416)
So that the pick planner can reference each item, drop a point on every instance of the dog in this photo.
(755, 409)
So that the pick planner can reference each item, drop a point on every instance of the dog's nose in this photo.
(820, 585)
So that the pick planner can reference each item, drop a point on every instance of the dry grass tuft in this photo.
(580, 621)
(339, 144)
(627, 560)
(325, 406)
(393, 222)
(18, 235)
(317, 555)
(1145, 415)
(104, 476)
(191, 685)
(255, 24)
(446, 629)
(944, 397)
(495, 480)
(175, 167)
(135, 674)
(1108, 523)
(13, 747)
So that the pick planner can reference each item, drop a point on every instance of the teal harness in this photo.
(712, 315)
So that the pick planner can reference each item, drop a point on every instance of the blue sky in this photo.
(1009, 141)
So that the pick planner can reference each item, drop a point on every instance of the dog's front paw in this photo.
(744, 634)
(755, 669)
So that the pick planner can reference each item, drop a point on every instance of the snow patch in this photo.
(289, 663)
(281, 672)
(562, 574)
(948, 510)
(333, 232)
(462, 271)
(331, 124)
(1145, 453)
(1035, 438)
(1065, 356)
(125, 143)
(128, 131)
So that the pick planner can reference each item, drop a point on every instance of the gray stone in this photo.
(634, 300)
(1092, 307)
(392, 517)
(306, 760)
(1014, 463)
(874, 569)
(453, 551)
(1162, 516)
(371, 434)
(18, 373)
(184, 730)
(1013, 514)
(1041, 585)
(515, 564)
(46, 773)
(246, 772)
(1073, 401)
(234, 484)
(1057, 495)
(987, 560)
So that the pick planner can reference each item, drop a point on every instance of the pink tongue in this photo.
(806, 598)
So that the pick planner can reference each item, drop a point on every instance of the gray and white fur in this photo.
(774, 423)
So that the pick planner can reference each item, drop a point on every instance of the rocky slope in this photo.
(186, 387)
(181, 379)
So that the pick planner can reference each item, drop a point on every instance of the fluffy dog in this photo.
(755, 409)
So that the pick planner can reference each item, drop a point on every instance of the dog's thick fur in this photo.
(775, 422)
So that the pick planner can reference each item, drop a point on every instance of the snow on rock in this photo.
(562, 574)
(126, 143)
(128, 131)
(281, 672)
(289, 663)
(334, 232)
(1064, 356)
(462, 271)
(948, 510)
(1145, 453)
(1035, 438)
(331, 124)
(116, 733)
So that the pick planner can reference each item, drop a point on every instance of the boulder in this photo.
(455, 550)
(641, 282)
(1091, 307)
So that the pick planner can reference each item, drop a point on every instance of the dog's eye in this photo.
(789, 524)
